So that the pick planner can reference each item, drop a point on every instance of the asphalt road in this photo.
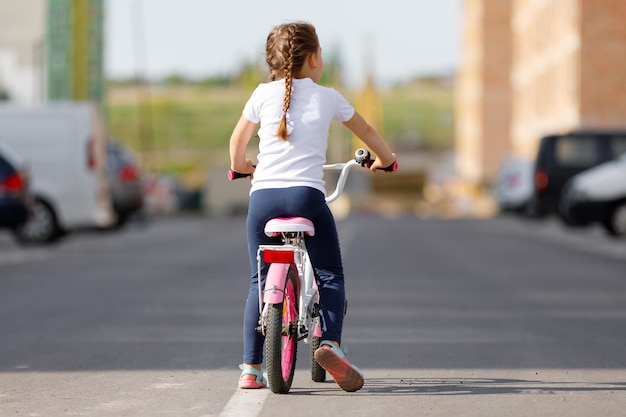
(495, 317)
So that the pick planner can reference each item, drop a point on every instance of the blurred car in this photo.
(15, 202)
(562, 156)
(598, 195)
(64, 145)
(126, 182)
(513, 185)
(164, 194)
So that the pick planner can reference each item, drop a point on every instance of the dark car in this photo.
(15, 202)
(126, 182)
(561, 157)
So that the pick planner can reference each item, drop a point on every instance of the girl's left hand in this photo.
(246, 168)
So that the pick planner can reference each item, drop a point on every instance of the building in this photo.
(565, 70)
(483, 95)
(22, 33)
(74, 50)
(51, 50)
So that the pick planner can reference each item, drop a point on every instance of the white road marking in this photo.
(246, 402)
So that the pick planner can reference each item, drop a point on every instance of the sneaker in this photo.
(333, 360)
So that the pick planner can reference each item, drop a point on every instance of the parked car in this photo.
(598, 195)
(15, 203)
(64, 147)
(560, 157)
(513, 185)
(164, 194)
(126, 182)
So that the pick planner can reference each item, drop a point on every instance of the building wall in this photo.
(22, 30)
(468, 93)
(545, 72)
(483, 100)
(603, 64)
(75, 50)
(497, 95)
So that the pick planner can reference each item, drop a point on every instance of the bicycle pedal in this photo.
(289, 330)
(304, 333)
(316, 310)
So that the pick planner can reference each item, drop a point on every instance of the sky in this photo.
(394, 40)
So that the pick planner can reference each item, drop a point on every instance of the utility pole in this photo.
(369, 101)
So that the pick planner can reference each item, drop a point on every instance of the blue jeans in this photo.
(323, 250)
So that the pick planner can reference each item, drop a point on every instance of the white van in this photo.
(64, 146)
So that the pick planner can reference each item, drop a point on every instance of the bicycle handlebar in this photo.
(234, 175)
(362, 157)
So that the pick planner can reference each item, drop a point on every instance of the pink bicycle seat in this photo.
(280, 225)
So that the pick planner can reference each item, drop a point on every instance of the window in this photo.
(577, 151)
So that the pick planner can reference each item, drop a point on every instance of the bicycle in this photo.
(289, 299)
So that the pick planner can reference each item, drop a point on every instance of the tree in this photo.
(333, 71)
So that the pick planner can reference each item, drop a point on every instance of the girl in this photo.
(294, 114)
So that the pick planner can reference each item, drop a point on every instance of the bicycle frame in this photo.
(289, 299)
(293, 252)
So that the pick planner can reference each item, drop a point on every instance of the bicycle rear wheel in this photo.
(281, 337)
(318, 374)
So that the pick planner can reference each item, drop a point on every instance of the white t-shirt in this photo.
(299, 160)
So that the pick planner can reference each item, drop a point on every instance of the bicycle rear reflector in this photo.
(278, 256)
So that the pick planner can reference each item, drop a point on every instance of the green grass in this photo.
(179, 118)
(183, 129)
(419, 115)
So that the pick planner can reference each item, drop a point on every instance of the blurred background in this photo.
(465, 91)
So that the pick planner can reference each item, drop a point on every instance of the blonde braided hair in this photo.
(286, 50)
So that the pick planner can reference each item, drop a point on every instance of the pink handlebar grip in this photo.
(391, 168)
(233, 175)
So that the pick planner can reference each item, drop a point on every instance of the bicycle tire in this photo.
(318, 374)
(281, 339)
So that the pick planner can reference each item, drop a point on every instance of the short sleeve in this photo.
(251, 110)
(344, 110)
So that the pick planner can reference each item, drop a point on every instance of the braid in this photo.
(288, 76)
(286, 50)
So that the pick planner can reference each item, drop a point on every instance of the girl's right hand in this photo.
(380, 163)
